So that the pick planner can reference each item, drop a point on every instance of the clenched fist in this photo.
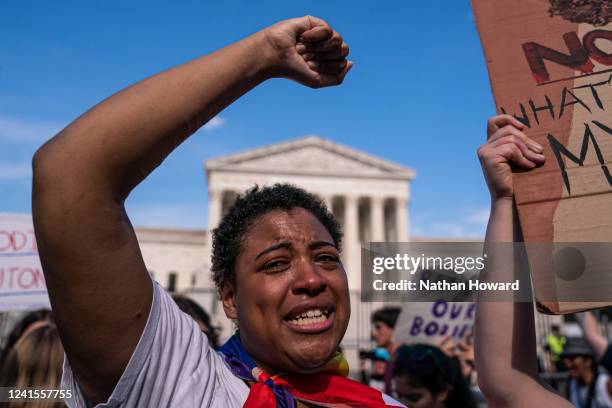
(309, 51)
(507, 143)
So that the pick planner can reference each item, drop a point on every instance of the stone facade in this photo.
(175, 258)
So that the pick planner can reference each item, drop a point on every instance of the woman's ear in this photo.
(228, 298)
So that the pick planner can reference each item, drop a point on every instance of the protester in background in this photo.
(463, 351)
(587, 386)
(199, 315)
(35, 361)
(20, 327)
(555, 343)
(379, 357)
(505, 341)
(383, 327)
(424, 377)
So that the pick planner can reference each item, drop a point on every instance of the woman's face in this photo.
(379, 367)
(381, 334)
(578, 366)
(291, 299)
(417, 397)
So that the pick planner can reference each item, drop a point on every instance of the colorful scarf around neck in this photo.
(329, 387)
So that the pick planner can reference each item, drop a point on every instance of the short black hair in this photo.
(387, 315)
(227, 237)
(427, 366)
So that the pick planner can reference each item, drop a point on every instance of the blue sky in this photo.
(418, 95)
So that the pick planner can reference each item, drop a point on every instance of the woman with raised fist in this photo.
(275, 255)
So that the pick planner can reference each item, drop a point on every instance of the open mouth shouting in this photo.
(310, 318)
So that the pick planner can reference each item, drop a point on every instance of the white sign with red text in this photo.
(22, 284)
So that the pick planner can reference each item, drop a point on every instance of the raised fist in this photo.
(506, 143)
(309, 51)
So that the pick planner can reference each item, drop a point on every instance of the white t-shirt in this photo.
(172, 366)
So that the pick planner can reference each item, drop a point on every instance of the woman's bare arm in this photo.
(97, 281)
(592, 333)
(506, 358)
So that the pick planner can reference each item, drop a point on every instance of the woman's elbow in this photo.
(45, 169)
(45, 159)
(497, 393)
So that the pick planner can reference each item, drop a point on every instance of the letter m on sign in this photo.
(578, 57)
(558, 149)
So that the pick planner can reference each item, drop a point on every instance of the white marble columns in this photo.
(215, 207)
(329, 202)
(377, 221)
(401, 216)
(351, 233)
(376, 214)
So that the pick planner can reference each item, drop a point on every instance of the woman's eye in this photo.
(275, 265)
(327, 258)
(411, 398)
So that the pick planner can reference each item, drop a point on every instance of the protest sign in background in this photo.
(550, 64)
(429, 323)
(22, 284)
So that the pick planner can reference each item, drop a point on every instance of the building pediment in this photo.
(310, 155)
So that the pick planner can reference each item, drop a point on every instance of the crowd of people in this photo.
(419, 375)
(580, 367)
(32, 355)
(444, 375)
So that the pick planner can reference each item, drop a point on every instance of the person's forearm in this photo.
(504, 331)
(592, 333)
(506, 359)
(120, 141)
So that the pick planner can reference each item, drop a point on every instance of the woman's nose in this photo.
(309, 279)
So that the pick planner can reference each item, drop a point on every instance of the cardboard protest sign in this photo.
(430, 322)
(22, 284)
(550, 65)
